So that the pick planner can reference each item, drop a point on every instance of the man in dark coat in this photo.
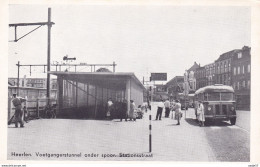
(18, 111)
(123, 110)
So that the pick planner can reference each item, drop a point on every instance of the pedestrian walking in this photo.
(196, 106)
(200, 113)
(177, 109)
(18, 111)
(132, 114)
(167, 108)
(123, 112)
(159, 110)
(109, 108)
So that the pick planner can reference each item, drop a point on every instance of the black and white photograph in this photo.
(115, 82)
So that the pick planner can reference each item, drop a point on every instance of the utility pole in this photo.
(39, 24)
(18, 77)
(114, 66)
(49, 54)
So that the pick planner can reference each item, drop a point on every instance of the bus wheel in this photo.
(233, 121)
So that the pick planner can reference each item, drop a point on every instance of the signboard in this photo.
(158, 77)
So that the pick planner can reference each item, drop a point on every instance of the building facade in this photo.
(32, 82)
(191, 76)
(210, 74)
(241, 77)
(223, 68)
(200, 75)
(175, 86)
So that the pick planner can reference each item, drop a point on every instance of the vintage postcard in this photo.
(130, 81)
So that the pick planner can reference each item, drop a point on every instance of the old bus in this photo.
(218, 101)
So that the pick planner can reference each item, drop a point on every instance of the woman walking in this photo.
(132, 111)
(177, 109)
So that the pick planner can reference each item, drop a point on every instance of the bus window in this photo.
(226, 96)
(214, 96)
(205, 97)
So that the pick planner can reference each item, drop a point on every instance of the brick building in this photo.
(223, 68)
(210, 73)
(200, 75)
(241, 77)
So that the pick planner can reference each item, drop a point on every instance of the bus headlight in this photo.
(209, 108)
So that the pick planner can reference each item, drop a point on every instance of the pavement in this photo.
(187, 142)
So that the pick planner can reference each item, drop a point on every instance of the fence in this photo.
(35, 107)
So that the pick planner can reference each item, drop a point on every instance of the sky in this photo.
(140, 39)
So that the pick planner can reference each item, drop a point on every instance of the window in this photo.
(244, 84)
(238, 70)
(225, 66)
(229, 67)
(214, 96)
(238, 85)
(239, 55)
(243, 70)
(226, 96)
(235, 70)
(234, 85)
(248, 84)
(248, 68)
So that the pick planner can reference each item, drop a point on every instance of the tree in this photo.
(103, 70)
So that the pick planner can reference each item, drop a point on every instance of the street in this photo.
(187, 142)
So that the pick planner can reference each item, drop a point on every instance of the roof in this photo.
(227, 55)
(215, 88)
(194, 67)
(175, 78)
(99, 76)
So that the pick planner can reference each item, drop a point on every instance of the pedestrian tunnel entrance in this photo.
(85, 95)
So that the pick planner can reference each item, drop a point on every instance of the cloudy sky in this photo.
(140, 39)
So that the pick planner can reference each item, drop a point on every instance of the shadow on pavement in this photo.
(192, 121)
(172, 125)
(219, 123)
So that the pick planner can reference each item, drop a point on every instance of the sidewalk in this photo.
(170, 142)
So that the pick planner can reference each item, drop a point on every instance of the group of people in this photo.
(169, 106)
(175, 107)
(21, 114)
(121, 108)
